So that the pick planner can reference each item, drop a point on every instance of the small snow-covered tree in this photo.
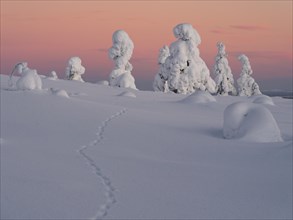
(224, 78)
(74, 69)
(53, 75)
(29, 78)
(120, 53)
(246, 84)
(160, 82)
(185, 71)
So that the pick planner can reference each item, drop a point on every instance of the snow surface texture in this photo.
(224, 79)
(250, 122)
(246, 84)
(164, 159)
(74, 69)
(120, 53)
(199, 97)
(29, 79)
(184, 70)
(108, 187)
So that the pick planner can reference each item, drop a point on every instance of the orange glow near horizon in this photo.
(47, 33)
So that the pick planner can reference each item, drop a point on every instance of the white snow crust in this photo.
(97, 155)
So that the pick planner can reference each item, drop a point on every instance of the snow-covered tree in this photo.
(53, 75)
(120, 53)
(246, 84)
(74, 69)
(224, 78)
(29, 78)
(160, 82)
(184, 69)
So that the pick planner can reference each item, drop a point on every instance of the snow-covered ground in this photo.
(86, 151)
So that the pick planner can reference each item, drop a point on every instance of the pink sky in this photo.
(47, 33)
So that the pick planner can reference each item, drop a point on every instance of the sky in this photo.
(47, 33)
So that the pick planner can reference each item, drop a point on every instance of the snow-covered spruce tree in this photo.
(185, 71)
(120, 53)
(224, 78)
(160, 83)
(246, 84)
(29, 78)
(74, 69)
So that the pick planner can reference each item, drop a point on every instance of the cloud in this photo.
(249, 27)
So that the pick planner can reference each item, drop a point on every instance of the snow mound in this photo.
(250, 122)
(199, 97)
(103, 82)
(29, 80)
(263, 99)
(127, 94)
(59, 92)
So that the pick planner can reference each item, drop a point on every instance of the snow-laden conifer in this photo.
(160, 82)
(185, 71)
(74, 69)
(224, 78)
(29, 78)
(120, 53)
(246, 84)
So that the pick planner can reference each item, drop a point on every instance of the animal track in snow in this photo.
(107, 184)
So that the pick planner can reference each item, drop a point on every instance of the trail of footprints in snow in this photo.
(108, 187)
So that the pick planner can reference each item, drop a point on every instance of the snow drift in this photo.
(199, 97)
(250, 122)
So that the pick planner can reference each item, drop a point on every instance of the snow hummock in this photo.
(127, 94)
(246, 84)
(263, 99)
(59, 92)
(98, 155)
(74, 69)
(29, 79)
(250, 122)
(184, 70)
(103, 82)
(199, 97)
(120, 53)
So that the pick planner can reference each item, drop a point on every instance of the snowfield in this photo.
(88, 151)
